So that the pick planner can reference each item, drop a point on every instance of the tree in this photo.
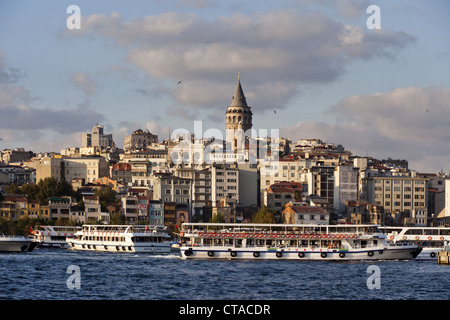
(263, 215)
(218, 218)
(50, 187)
(117, 218)
(106, 195)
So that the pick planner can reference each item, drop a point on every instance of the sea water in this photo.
(50, 274)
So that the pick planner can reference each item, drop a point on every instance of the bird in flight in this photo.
(179, 82)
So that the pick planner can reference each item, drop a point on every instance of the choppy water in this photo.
(42, 274)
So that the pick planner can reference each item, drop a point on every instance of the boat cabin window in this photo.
(431, 231)
(414, 231)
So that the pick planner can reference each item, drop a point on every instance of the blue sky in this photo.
(384, 92)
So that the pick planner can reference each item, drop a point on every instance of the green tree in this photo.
(106, 195)
(50, 187)
(218, 218)
(117, 218)
(13, 189)
(263, 215)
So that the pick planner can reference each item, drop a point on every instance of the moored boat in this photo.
(289, 241)
(54, 236)
(16, 244)
(122, 238)
(430, 239)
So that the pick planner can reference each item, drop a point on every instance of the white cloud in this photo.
(407, 123)
(285, 47)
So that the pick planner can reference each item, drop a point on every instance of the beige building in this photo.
(397, 193)
(139, 140)
(68, 169)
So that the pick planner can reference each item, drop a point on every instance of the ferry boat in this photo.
(54, 236)
(16, 244)
(430, 239)
(122, 238)
(289, 241)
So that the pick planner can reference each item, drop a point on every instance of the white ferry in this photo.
(431, 239)
(289, 241)
(16, 244)
(122, 238)
(54, 236)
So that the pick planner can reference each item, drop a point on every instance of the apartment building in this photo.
(224, 184)
(295, 213)
(156, 212)
(277, 195)
(345, 186)
(170, 188)
(13, 207)
(397, 193)
(68, 169)
(135, 208)
(321, 182)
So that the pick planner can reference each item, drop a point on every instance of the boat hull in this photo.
(114, 247)
(389, 253)
(17, 245)
(430, 253)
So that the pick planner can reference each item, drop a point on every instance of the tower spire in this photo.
(239, 97)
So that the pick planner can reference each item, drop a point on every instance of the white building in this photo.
(224, 184)
(345, 186)
(447, 198)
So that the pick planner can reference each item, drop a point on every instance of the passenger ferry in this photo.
(122, 238)
(54, 236)
(431, 239)
(289, 241)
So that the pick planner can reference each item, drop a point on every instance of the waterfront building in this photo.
(321, 182)
(407, 195)
(13, 207)
(447, 200)
(345, 186)
(277, 195)
(60, 207)
(156, 212)
(135, 208)
(287, 169)
(300, 213)
(224, 184)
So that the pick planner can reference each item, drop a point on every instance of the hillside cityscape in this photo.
(244, 178)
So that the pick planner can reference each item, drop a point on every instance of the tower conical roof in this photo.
(239, 98)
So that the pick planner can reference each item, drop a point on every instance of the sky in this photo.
(311, 69)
